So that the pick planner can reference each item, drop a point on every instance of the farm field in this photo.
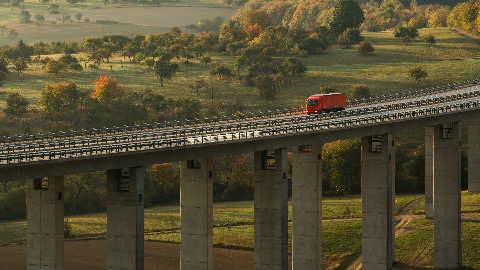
(233, 228)
(125, 19)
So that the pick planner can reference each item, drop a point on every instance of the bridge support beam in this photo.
(378, 197)
(429, 172)
(45, 223)
(196, 208)
(474, 155)
(307, 208)
(125, 219)
(446, 173)
(271, 210)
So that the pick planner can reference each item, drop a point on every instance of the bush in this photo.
(365, 47)
(104, 21)
(360, 91)
(67, 228)
(12, 204)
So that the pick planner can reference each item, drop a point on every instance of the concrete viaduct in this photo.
(123, 152)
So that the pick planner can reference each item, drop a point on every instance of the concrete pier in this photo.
(307, 208)
(271, 211)
(45, 223)
(378, 197)
(196, 207)
(446, 174)
(429, 172)
(474, 155)
(125, 219)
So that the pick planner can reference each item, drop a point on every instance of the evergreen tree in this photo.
(347, 14)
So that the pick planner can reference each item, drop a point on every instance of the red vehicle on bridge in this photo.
(320, 103)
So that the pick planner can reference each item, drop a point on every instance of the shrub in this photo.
(360, 91)
(365, 47)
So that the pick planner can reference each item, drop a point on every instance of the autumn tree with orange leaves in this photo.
(107, 89)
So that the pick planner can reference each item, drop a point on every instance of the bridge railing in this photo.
(228, 136)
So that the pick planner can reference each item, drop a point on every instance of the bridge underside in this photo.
(125, 207)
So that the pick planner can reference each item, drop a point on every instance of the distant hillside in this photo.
(379, 14)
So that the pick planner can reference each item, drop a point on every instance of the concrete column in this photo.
(271, 211)
(446, 172)
(378, 202)
(196, 208)
(429, 172)
(45, 223)
(474, 155)
(125, 219)
(307, 208)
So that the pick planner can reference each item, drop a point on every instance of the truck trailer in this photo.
(323, 103)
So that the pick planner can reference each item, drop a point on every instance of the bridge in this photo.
(44, 159)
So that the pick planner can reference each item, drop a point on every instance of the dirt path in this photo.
(405, 216)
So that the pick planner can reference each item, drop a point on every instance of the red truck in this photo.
(326, 103)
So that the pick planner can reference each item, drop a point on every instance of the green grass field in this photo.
(233, 228)
(384, 72)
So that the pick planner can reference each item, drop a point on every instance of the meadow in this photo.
(233, 228)
(126, 19)
(451, 59)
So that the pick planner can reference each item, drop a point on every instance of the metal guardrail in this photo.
(230, 136)
(225, 118)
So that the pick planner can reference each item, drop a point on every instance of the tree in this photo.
(3, 65)
(3, 78)
(430, 40)
(78, 16)
(107, 89)
(187, 108)
(25, 16)
(417, 73)
(73, 2)
(341, 167)
(197, 85)
(44, 1)
(162, 184)
(20, 65)
(293, 66)
(54, 66)
(406, 34)
(240, 62)
(220, 69)
(256, 17)
(53, 8)
(360, 91)
(365, 47)
(17, 105)
(165, 70)
(350, 37)
(63, 101)
(347, 14)
(206, 60)
(39, 17)
(267, 88)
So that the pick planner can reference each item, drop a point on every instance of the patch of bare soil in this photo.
(91, 255)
